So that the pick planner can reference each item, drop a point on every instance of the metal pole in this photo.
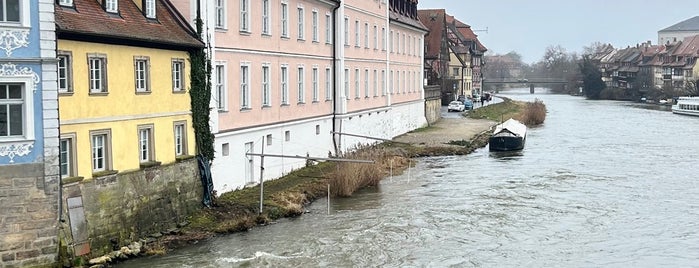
(262, 173)
(328, 198)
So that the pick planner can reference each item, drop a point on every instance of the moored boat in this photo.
(687, 106)
(508, 136)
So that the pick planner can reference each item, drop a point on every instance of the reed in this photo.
(351, 177)
(534, 113)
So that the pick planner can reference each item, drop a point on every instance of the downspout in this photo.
(334, 68)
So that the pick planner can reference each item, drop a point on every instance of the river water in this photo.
(600, 184)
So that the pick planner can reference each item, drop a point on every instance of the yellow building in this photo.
(123, 78)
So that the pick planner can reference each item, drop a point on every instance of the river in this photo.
(601, 183)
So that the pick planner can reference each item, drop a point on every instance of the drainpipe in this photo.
(334, 68)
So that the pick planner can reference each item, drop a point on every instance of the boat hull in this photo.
(506, 143)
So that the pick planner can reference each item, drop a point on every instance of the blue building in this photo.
(29, 135)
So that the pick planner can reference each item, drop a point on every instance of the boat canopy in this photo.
(512, 126)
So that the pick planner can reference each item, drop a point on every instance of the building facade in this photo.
(679, 31)
(29, 177)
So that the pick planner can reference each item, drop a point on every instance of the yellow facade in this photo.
(464, 76)
(122, 110)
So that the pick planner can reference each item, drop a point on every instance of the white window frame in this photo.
(23, 15)
(384, 89)
(314, 24)
(149, 8)
(390, 42)
(328, 29)
(301, 13)
(390, 83)
(366, 35)
(179, 129)
(266, 87)
(27, 107)
(141, 74)
(376, 83)
(346, 34)
(376, 37)
(111, 6)
(221, 85)
(266, 17)
(285, 19)
(301, 84)
(178, 80)
(220, 20)
(146, 148)
(244, 85)
(66, 3)
(97, 73)
(357, 89)
(328, 83)
(383, 38)
(357, 33)
(105, 162)
(347, 85)
(314, 83)
(67, 157)
(366, 83)
(65, 71)
(284, 87)
(245, 16)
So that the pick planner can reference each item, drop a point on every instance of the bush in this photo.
(534, 113)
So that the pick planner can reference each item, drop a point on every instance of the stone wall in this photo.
(28, 217)
(433, 104)
(114, 210)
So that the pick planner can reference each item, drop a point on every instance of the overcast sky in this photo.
(529, 26)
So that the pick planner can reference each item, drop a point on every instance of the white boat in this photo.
(687, 106)
(508, 136)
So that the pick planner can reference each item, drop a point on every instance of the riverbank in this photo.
(286, 197)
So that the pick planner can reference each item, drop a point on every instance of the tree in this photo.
(592, 79)
(593, 48)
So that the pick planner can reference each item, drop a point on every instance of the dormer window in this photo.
(111, 6)
(149, 8)
(9, 11)
(65, 3)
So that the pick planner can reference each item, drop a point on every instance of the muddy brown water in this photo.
(600, 184)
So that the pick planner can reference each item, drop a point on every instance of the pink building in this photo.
(287, 74)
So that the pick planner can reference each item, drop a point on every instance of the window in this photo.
(301, 24)
(225, 149)
(366, 83)
(221, 92)
(383, 38)
(366, 35)
(98, 73)
(301, 90)
(317, 129)
(402, 47)
(328, 29)
(149, 8)
(346, 28)
(111, 6)
(142, 74)
(376, 37)
(220, 14)
(357, 32)
(314, 78)
(13, 110)
(65, 71)
(265, 17)
(244, 15)
(244, 86)
(356, 83)
(287, 135)
(67, 156)
(456, 72)
(315, 25)
(180, 129)
(390, 83)
(328, 85)
(178, 75)
(390, 40)
(265, 86)
(376, 83)
(347, 89)
(68, 3)
(383, 83)
(285, 19)
(145, 143)
(285, 85)
(101, 150)
(269, 139)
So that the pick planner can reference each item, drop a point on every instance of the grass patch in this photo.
(500, 111)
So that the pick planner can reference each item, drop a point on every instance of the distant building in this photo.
(679, 31)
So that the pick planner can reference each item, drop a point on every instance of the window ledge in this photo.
(285, 105)
(179, 91)
(104, 173)
(143, 92)
(69, 180)
(99, 93)
(245, 109)
(245, 32)
(66, 93)
(266, 106)
(149, 164)
(183, 157)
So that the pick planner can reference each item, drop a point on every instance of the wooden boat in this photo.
(687, 106)
(508, 136)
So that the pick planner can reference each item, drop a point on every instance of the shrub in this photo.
(534, 113)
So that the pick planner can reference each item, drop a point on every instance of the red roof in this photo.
(689, 47)
(89, 20)
(434, 20)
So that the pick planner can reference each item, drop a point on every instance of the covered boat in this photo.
(508, 136)
(687, 106)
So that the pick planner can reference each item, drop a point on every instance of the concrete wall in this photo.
(28, 216)
(121, 208)
(433, 104)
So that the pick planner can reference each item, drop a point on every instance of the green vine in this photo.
(200, 95)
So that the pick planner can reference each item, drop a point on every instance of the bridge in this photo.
(542, 80)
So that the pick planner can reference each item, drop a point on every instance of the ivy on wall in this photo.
(200, 95)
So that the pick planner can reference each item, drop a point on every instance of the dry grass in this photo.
(534, 113)
(352, 176)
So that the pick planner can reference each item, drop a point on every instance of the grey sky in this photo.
(529, 26)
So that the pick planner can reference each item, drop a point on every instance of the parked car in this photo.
(468, 104)
(456, 106)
